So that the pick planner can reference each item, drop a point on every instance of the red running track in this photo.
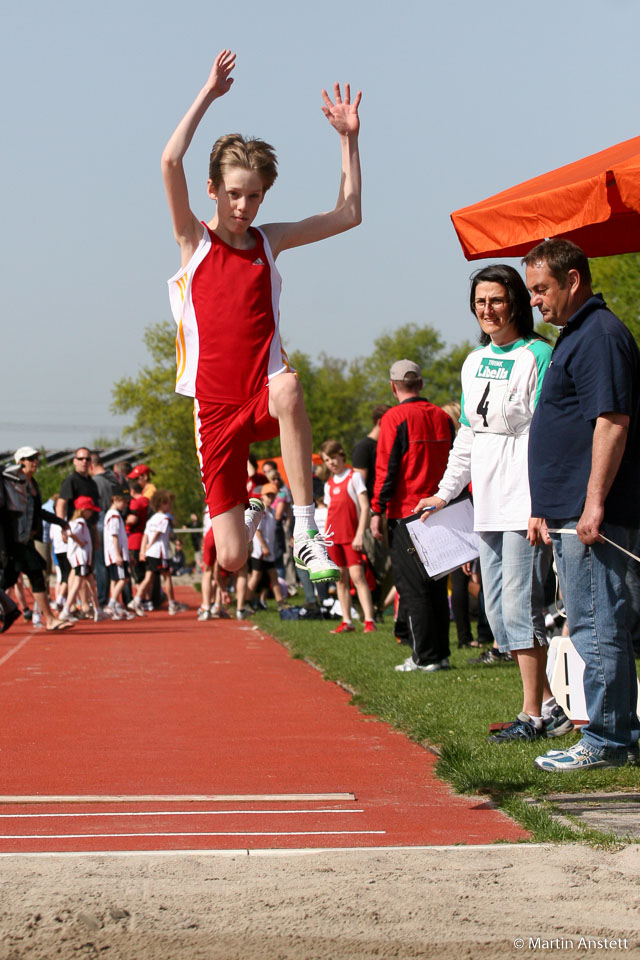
(205, 736)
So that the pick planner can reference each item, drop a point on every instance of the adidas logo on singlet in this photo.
(258, 263)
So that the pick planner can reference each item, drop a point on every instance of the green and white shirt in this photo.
(500, 390)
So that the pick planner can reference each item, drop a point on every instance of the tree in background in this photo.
(618, 280)
(49, 477)
(339, 396)
(163, 420)
(440, 366)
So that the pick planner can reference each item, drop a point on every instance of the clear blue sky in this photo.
(460, 100)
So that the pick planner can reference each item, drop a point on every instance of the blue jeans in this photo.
(513, 575)
(592, 584)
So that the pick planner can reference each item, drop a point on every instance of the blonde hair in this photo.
(234, 150)
(454, 409)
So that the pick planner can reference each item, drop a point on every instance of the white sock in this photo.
(547, 707)
(305, 519)
(537, 722)
(252, 521)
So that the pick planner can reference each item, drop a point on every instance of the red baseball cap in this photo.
(140, 470)
(85, 503)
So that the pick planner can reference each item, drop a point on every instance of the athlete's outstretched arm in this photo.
(186, 226)
(347, 213)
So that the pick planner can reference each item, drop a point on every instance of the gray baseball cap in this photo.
(405, 370)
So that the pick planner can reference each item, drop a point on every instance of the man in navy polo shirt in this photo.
(584, 473)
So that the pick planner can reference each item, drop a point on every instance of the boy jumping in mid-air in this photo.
(225, 301)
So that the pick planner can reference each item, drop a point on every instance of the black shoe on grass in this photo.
(521, 729)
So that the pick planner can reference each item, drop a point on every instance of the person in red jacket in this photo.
(413, 449)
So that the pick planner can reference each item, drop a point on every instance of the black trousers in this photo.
(460, 610)
(424, 604)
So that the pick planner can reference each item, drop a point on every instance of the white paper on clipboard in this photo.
(446, 540)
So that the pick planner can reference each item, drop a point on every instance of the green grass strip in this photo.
(450, 711)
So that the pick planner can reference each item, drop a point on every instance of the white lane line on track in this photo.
(290, 851)
(221, 833)
(185, 798)
(15, 649)
(173, 813)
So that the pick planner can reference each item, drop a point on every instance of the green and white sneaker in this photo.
(253, 517)
(310, 554)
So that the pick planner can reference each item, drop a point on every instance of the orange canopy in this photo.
(595, 202)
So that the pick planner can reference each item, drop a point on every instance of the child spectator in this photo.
(116, 555)
(59, 547)
(347, 518)
(263, 554)
(255, 477)
(79, 555)
(154, 551)
(196, 539)
(212, 576)
(136, 521)
(178, 560)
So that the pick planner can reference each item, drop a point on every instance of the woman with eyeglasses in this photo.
(24, 504)
(501, 382)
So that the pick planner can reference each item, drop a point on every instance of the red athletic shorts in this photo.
(345, 556)
(224, 432)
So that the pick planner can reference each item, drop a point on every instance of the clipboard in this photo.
(446, 540)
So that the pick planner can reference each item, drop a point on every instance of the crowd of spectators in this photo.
(103, 529)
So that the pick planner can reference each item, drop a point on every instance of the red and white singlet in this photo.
(341, 495)
(225, 302)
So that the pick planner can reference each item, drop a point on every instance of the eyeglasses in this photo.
(495, 303)
(82, 458)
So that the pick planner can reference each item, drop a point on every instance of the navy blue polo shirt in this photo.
(594, 369)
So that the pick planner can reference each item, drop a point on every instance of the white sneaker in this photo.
(148, 606)
(119, 613)
(136, 606)
(409, 665)
(204, 614)
(253, 516)
(66, 616)
(310, 554)
(98, 615)
(175, 607)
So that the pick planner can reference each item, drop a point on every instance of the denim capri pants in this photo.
(513, 576)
